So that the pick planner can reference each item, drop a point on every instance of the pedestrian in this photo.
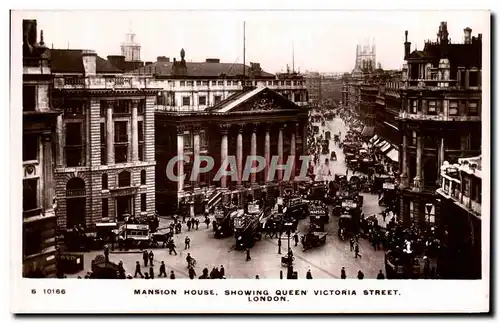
(172, 274)
(163, 270)
(106, 253)
(146, 276)
(384, 215)
(222, 271)
(248, 254)
(342, 273)
(380, 275)
(296, 239)
(145, 257)
(360, 274)
(184, 218)
(279, 245)
(171, 247)
(151, 272)
(308, 274)
(121, 270)
(151, 257)
(187, 242)
(351, 243)
(356, 251)
(257, 277)
(192, 273)
(138, 269)
(189, 224)
(214, 225)
(197, 223)
(204, 274)
(207, 221)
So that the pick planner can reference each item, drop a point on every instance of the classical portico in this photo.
(255, 122)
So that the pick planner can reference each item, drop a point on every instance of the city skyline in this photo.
(299, 38)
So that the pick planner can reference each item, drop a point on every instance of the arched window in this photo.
(143, 177)
(75, 187)
(124, 179)
(104, 181)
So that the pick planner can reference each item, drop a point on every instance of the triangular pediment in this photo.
(255, 100)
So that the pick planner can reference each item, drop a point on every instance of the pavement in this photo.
(324, 262)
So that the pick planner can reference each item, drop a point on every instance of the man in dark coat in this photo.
(342, 273)
(172, 274)
(187, 242)
(380, 275)
(356, 251)
(189, 223)
(163, 270)
(192, 273)
(151, 257)
(222, 271)
(296, 238)
(248, 255)
(138, 269)
(279, 245)
(308, 274)
(360, 274)
(145, 257)
(151, 272)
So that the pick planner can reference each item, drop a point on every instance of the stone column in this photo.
(223, 151)
(135, 133)
(417, 181)
(180, 154)
(253, 149)
(293, 151)
(60, 141)
(440, 158)
(267, 150)
(110, 133)
(404, 163)
(48, 173)
(239, 153)
(196, 149)
(129, 142)
(280, 151)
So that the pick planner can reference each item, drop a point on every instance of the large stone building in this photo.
(39, 122)
(460, 193)
(323, 86)
(440, 118)
(105, 158)
(214, 109)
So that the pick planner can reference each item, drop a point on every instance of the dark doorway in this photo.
(75, 202)
(124, 205)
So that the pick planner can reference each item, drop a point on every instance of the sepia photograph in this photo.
(271, 145)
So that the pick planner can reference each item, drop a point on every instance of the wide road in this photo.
(324, 262)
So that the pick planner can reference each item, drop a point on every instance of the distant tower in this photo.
(131, 49)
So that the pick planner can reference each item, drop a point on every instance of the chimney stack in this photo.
(467, 35)
(89, 58)
(407, 46)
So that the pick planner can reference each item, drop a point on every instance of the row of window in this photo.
(189, 139)
(202, 100)
(124, 179)
(76, 108)
(238, 83)
(105, 206)
(453, 142)
(470, 108)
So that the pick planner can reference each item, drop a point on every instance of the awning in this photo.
(376, 142)
(373, 139)
(386, 147)
(367, 131)
(393, 155)
(381, 143)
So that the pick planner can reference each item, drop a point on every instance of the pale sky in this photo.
(324, 41)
